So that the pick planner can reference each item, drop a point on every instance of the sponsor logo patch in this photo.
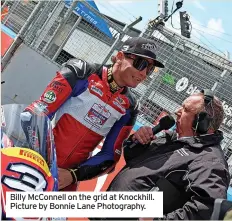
(97, 90)
(120, 100)
(49, 97)
(32, 156)
(41, 107)
(32, 137)
(57, 86)
(149, 47)
(97, 115)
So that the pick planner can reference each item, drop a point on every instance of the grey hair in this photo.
(214, 109)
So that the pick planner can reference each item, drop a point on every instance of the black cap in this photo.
(142, 47)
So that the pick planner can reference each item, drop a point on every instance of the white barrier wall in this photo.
(26, 76)
(91, 49)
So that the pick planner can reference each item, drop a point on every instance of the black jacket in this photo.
(191, 172)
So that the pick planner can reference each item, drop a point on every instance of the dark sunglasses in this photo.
(141, 63)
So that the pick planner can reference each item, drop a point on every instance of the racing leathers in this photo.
(86, 111)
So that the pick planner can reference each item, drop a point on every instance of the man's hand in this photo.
(65, 178)
(144, 135)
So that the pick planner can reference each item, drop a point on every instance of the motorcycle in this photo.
(28, 154)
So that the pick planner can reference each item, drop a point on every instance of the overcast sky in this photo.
(211, 19)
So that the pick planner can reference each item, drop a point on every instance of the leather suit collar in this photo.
(105, 73)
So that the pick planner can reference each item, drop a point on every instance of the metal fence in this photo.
(19, 12)
(57, 32)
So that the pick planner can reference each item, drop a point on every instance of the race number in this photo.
(29, 178)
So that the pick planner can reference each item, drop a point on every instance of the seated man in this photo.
(188, 166)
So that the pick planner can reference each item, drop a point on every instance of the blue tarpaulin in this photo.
(91, 17)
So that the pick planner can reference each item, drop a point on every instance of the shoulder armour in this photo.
(81, 68)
